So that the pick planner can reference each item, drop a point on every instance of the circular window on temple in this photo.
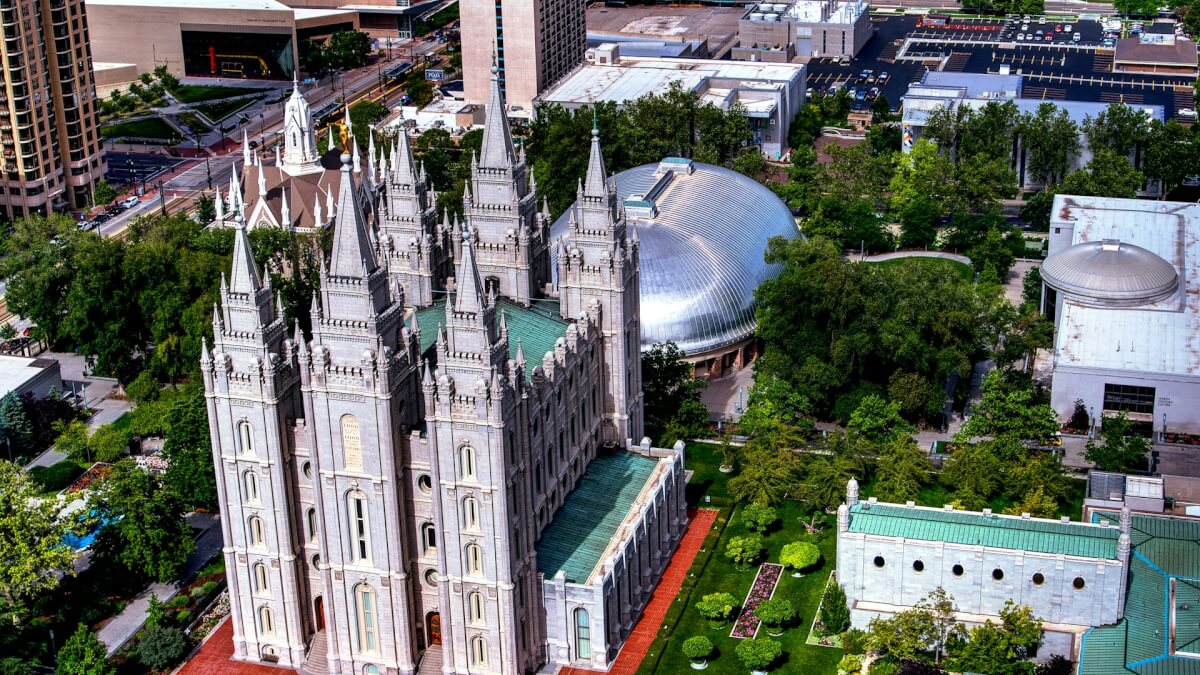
(918, 566)
(307, 469)
(1079, 583)
(431, 577)
(997, 574)
(957, 570)
(425, 483)
(879, 562)
(1038, 579)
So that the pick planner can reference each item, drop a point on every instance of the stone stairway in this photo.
(431, 661)
(315, 662)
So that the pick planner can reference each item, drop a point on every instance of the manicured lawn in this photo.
(713, 572)
(153, 127)
(189, 93)
(962, 270)
(937, 495)
(219, 111)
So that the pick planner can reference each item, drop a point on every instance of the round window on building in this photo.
(431, 577)
(425, 483)
(879, 562)
(918, 566)
(316, 562)
(997, 574)
(1079, 583)
(957, 570)
(1038, 579)
(307, 469)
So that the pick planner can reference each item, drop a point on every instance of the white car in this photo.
(1042, 21)
(1186, 112)
(1020, 36)
(131, 202)
(1067, 28)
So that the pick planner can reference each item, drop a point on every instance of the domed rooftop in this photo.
(702, 241)
(1110, 272)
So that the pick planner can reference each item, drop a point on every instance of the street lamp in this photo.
(162, 197)
(262, 122)
(208, 170)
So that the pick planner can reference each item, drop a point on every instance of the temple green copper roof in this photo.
(1163, 593)
(536, 328)
(585, 525)
(993, 531)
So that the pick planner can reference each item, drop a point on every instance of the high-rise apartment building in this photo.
(49, 136)
(534, 42)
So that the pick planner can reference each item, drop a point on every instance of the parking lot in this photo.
(1059, 69)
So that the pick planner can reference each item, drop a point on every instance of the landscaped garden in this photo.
(961, 269)
(222, 109)
(151, 127)
(198, 93)
(714, 573)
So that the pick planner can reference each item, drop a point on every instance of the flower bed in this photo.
(96, 473)
(763, 588)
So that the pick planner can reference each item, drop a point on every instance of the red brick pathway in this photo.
(646, 629)
(213, 658)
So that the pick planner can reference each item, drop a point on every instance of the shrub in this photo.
(834, 612)
(759, 517)
(775, 611)
(799, 555)
(161, 646)
(744, 550)
(197, 592)
(183, 616)
(758, 653)
(854, 641)
(697, 648)
(885, 666)
(850, 663)
(209, 587)
(180, 601)
(145, 387)
(83, 654)
(717, 607)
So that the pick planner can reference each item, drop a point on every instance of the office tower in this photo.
(48, 121)
(535, 43)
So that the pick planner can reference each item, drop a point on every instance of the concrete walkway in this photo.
(97, 392)
(956, 257)
(121, 627)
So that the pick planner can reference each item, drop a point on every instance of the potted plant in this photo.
(758, 654)
(698, 649)
(799, 555)
(717, 608)
(775, 612)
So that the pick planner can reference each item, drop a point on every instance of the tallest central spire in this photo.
(595, 184)
(497, 152)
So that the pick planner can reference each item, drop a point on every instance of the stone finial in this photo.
(851, 492)
(843, 518)
(1123, 546)
(1126, 522)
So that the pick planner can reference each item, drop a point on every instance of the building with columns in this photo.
(401, 490)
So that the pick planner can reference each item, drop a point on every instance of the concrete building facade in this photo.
(50, 155)
(401, 491)
(534, 43)
(779, 32)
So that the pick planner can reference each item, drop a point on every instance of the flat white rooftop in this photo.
(16, 371)
(1160, 337)
(316, 13)
(634, 77)
(197, 4)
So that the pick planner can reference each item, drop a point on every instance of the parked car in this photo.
(1042, 21)
(1067, 28)
(101, 219)
(1186, 112)
(1049, 37)
(1020, 36)
(883, 77)
(1076, 37)
(860, 96)
(130, 202)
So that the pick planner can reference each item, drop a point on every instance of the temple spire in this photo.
(246, 158)
(469, 297)
(596, 182)
(245, 277)
(403, 169)
(497, 137)
(352, 254)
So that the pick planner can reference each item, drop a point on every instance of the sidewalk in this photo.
(97, 392)
(121, 627)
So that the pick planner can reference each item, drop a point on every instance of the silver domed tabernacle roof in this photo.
(702, 238)
(1110, 272)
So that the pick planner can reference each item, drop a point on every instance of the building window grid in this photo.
(1129, 398)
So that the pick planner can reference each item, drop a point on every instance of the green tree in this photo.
(109, 442)
(364, 115)
(775, 612)
(103, 193)
(206, 208)
(924, 173)
(1172, 153)
(32, 549)
(347, 49)
(855, 172)
(1119, 128)
(161, 647)
(1036, 503)
(767, 474)
(1122, 451)
(917, 634)
(83, 654)
(717, 607)
(750, 162)
(759, 517)
(799, 555)
(188, 446)
(835, 614)
(698, 648)
(669, 386)
(313, 59)
(1051, 139)
(147, 533)
(418, 88)
(743, 551)
(14, 423)
(72, 440)
(974, 473)
(1000, 649)
(904, 469)
(1007, 410)
(878, 420)
(758, 653)
(918, 223)
(1107, 174)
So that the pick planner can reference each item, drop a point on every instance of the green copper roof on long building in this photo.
(536, 328)
(990, 530)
